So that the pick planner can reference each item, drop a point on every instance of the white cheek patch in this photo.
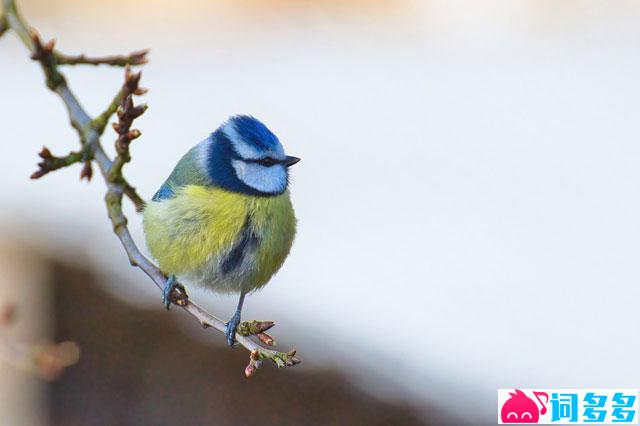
(239, 146)
(265, 179)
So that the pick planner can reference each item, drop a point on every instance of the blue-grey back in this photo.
(188, 171)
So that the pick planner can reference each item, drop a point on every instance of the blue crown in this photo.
(253, 132)
(246, 139)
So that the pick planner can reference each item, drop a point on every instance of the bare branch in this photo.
(134, 58)
(130, 192)
(89, 131)
(80, 120)
(50, 162)
(43, 53)
(127, 113)
(130, 87)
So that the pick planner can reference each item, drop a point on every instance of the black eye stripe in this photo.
(267, 161)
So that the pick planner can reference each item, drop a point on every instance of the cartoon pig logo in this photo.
(519, 408)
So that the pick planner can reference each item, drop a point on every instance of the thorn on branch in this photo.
(135, 58)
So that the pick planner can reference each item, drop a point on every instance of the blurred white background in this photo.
(468, 195)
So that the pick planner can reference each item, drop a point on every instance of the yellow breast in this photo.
(191, 233)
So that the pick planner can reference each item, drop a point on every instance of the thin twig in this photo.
(131, 193)
(89, 131)
(55, 81)
(43, 53)
(130, 87)
(126, 114)
(50, 162)
(135, 58)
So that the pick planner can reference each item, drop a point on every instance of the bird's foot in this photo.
(231, 327)
(173, 292)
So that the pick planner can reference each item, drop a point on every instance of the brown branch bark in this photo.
(89, 132)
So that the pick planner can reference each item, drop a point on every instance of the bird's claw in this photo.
(173, 292)
(230, 329)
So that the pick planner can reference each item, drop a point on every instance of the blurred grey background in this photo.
(467, 199)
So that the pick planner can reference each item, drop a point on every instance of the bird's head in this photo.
(245, 156)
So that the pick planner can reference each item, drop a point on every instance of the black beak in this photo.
(290, 161)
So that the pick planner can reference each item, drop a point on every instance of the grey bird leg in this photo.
(234, 322)
(168, 289)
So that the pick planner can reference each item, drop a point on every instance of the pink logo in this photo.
(519, 408)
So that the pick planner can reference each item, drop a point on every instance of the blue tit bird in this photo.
(224, 219)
